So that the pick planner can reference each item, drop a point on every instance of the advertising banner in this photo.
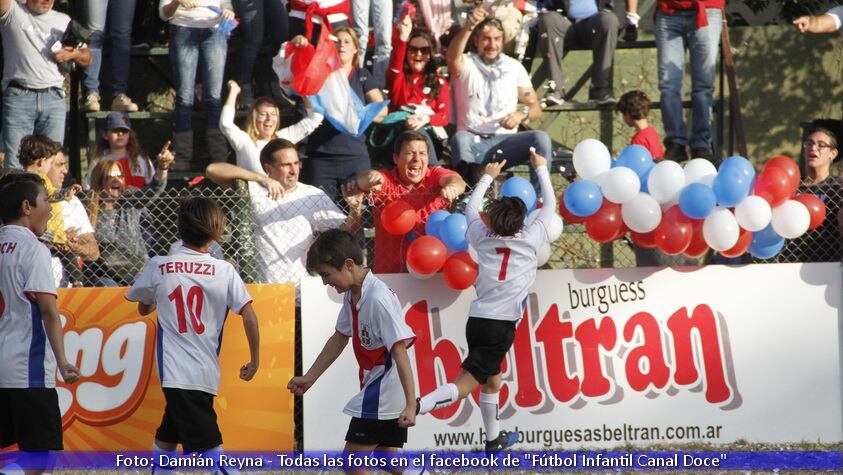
(117, 404)
(609, 357)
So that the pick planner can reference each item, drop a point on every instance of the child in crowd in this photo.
(634, 106)
(506, 259)
(371, 316)
(31, 337)
(119, 142)
(192, 293)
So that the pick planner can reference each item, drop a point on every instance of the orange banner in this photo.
(117, 404)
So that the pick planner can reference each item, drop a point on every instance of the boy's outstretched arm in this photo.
(405, 374)
(330, 352)
(548, 198)
(250, 325)
(491, 172)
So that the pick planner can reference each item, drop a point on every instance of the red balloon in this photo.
(426, 255)
(740, 247)
(790, 167)
(568, 216)
(398, 217)
(674, 232)
(816, 208)
(773, 185)
(606, 223)
(645, 240)
(698, 246)
(459, 271)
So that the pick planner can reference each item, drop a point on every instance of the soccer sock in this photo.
(489, 411)
(442, 396)
(156, 469)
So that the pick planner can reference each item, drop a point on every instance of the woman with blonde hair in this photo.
(262, 125)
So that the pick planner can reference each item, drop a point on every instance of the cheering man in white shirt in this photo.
(506, 257)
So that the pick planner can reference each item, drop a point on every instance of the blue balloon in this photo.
(697, 200)
(521, 188)
(411, 236)
(766, 237)
(644, 188)
(452, 232)
(583, 198)
(434, 222)
(638, 158)
(760, 251)
(739, 163)
(731, 186)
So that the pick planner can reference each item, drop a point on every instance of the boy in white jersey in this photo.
(31, 337)
(371, 316)
(192, 293)
(506, 260)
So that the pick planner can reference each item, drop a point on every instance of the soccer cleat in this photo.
(504, 441)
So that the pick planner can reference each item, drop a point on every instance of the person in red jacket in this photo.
(695, 25)
(415, 84)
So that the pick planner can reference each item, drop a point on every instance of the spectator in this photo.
(196, 40)
(304, 14)
(380, 12)
(568, 24)
(262, 125)
(822, 244)
(117, 15)
(634, 106)
(33, 85)
(426, 189)
(334, 158)
(120, 218)
(493, 97)
(258, 19)
(694, 25)
(287, 212)
(829, 22)
(119, 142)
(37, 153)
(416, 85)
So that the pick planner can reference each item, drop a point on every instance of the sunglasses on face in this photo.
(425, 50)
(116, 174)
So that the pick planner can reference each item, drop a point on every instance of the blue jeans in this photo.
(674, 33)
(28, 112)
(381, 14)
(515, 148)
(257, 18)
(118, 16)
(189, 49)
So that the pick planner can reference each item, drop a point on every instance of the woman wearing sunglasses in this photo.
(415, 83)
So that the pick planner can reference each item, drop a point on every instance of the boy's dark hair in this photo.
(333, 247)
(201, 221)
(831, 137)
(15, 188)
(506, 215)
(635, 104)
(409, 136)
(273, 146)
(35, 147)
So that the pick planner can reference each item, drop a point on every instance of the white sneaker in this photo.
(122, 103)
(92, 102)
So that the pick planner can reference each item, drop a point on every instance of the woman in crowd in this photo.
(119, 142)
(415, 84)
(121, 220)
(333, 157)
(263, 124)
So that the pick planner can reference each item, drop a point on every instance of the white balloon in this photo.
(720, 229)
(753, 213)
(666, 180)
(790, 219)
(419, 276)
(543, 254)
(620, 185)
(700, 170)
(642, 213)
(554, 227)
(591, 158)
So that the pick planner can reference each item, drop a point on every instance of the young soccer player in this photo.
(634, 106)
(371, 316)
(506, 260)
(31, 337)
(192, 293)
